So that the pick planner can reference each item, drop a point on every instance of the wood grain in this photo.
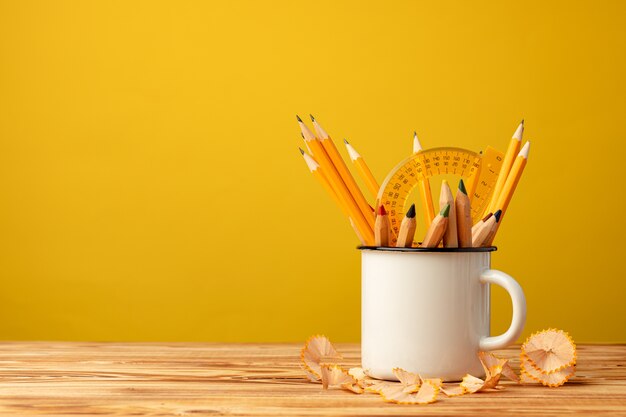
(156, 379)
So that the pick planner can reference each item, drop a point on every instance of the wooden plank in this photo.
(148, 379)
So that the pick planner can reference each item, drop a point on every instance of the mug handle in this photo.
(511, 286)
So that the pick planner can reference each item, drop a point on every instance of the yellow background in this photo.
(151, 187)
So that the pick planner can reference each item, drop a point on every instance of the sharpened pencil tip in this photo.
(299, 119)
(411, 213)
(302, 134)
(445, 211)
(522, 122)
(382, 211)
(414, 134)
(301, 151)
(497, 215)
(346, 141)
(312, 118)
(462, 187)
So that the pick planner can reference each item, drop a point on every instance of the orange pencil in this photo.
(511, 184)
(342, 169)
(337, 184)
(507, 163)
(356, 230)
(315, 169)
(363, 169)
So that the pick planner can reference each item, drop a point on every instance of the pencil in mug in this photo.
(511, 183)
(363, 169)
(463, 217)
(381, 227)
(437, 229)
(315, 169)
(483, 232)
(342, 169)
(493, 230)
(479, 223)
(450, 238)
(425, 191)
(319, 153)
(407, 229)
(507, 163)
(356, 230)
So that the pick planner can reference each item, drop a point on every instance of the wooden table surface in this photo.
(59, 378)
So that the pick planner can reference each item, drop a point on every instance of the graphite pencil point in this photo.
(497, 215)
(346, 141)
(411, 213)
(312, 118)
(301, 151)
(445, 211)
(462, 187)
(299, 119)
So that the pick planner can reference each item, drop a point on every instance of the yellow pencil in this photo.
(511, 183)
(513, 179)
(463, 217)
(337, 184)
(363, 169)
(507, 163)
(437, 229)
(427, 196)
(407, 229)
(356, 230)
(342, 169)
(316, 170)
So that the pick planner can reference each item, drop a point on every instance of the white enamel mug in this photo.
(427, 311)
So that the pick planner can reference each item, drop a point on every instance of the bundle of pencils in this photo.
(329, 168)
(451, 228)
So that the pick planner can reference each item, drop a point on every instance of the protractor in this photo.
(479, 172)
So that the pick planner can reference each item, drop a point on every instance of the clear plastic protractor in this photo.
(479, 172)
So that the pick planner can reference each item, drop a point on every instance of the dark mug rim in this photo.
(444, 250)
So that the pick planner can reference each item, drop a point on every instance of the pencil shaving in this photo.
(550, 351)
(319, 357)
(397, 393)
(493, 367)
(335, 375)
(529, 374)
(317, 350)
(451, 390)
(359, 374)
(489, 360)
(409, 380)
